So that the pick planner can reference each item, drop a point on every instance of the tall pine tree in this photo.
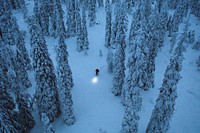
(65, 83)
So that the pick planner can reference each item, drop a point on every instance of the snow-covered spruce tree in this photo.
(13, 36)
(24, 53)
(79, 32)
(115, 23)
(131, 93)
(92, 12)
(61, 29)
(109, 60)
(16, 4)
(47, 126)
(164, 108)
(84, 31)
(10, 85)
(135, 26)
(46, 85)
(42, 12)
(20, 70)
(108, 24)
(71, 20)
(177, 18)
(23, 115)
(6, 107)
(65, 83)
(9, 28)
(131, 116)
(154, 32)
(119, 57)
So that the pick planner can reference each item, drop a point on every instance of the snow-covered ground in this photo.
(96, 108)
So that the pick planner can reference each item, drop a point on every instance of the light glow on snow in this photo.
(94, 80)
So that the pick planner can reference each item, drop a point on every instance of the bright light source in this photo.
(94, 80)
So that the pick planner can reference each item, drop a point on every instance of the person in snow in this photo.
(97, 72)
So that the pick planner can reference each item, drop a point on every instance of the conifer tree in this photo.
(46, 87)
(135, 26)
(6, 105)
(65, 83)
(92, 12)
(23, 51)
(79, 32)
(115, 24)
(131, 92)
(23, 116)
(71, 20)
(20, 70)
(177, 18)
(84, 31)
(165, 102)
(119, 57)
(108, 24)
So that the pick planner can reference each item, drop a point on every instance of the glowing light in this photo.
(94, 80)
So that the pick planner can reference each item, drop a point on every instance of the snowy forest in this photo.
(147, 53)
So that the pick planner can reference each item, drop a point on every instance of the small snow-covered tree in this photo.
(108, 24)
(65, 83)
(47, 126)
